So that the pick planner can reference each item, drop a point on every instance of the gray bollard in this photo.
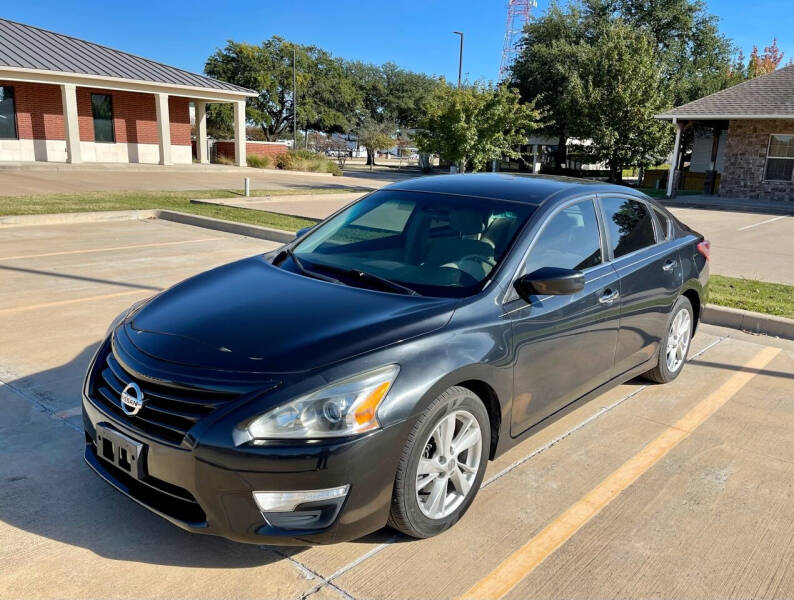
(247, 187)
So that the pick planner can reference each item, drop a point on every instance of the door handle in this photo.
(669, 265)
(608, 297)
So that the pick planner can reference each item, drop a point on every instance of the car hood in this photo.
(250, 316)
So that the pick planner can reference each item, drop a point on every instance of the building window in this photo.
(8, 116)
(102, 111)
(780, 158)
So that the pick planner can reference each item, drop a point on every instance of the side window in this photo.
(570, 240)
(102, 112)
(664, 222)
(629, 225)
(8, 121)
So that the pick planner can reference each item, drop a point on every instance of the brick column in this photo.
(70, 124)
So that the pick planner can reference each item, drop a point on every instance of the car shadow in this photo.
(47, 490)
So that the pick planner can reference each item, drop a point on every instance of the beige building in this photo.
(64, 99)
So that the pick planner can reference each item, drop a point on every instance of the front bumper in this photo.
(206, 489)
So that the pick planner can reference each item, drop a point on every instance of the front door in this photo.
(564, 345)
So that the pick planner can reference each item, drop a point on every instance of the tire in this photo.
(680, 323)
(415, 513)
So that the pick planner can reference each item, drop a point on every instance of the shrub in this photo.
(258, 162)
(305, 160)
(223, 160)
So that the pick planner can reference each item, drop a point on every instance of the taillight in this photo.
(704, 248)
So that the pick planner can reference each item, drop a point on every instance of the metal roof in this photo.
(28, 47)
(769, 96)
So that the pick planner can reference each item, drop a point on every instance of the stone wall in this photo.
(745, 160)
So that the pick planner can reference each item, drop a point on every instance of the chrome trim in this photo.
(609, 298)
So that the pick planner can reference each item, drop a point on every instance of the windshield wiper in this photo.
(372, 278)
(307, 272)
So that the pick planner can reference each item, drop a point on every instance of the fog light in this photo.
(308, 509)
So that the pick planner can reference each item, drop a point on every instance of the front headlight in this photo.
(346, 407)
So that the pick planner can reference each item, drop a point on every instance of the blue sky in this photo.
(415, 35)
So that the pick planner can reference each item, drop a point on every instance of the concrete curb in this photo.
(77, 217)
(255, 231)
(746, 320)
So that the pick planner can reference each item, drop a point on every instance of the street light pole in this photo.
(294, 103)
(460, 58)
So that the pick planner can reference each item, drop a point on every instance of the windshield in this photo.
(433, 244)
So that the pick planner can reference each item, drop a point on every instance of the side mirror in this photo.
(302, 232)
(550, 280)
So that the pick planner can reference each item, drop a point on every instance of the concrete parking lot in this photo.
(681, 490)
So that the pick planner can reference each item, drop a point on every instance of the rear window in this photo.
(629, 225)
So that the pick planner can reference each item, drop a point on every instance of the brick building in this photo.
(743, 139)
(67, 100)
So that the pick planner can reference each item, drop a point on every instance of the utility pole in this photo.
(294, 103)
(460, 58)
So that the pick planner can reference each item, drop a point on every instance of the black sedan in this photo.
(365, 373)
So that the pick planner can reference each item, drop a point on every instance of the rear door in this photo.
(564, 345)
(646, 261)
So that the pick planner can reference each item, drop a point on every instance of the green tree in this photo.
(475, 124)
(375, 135)
(624, 90)
(326, 96)
(694, 57)
(547, 72)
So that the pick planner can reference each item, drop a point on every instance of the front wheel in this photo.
(674, 346)
(442, 465)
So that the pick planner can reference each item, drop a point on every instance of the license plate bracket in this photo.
(122, 451)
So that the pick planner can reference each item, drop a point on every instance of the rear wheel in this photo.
(674, 346)
(442, 465)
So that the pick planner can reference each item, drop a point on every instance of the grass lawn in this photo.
(749, 294)
(95, 201)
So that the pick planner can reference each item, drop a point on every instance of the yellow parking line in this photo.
(526, 559)
(16, 309)
(109, 249)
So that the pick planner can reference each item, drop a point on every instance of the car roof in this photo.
(529, 189)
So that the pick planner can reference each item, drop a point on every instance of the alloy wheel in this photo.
(678, 340)
(449, 464)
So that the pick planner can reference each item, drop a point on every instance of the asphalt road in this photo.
(681, 490)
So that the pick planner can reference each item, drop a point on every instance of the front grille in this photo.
(168, 413)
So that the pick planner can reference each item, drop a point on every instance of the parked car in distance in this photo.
(365, 373)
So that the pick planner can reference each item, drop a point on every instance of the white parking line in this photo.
(761, 223)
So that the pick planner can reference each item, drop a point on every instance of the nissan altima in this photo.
(364, 373)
